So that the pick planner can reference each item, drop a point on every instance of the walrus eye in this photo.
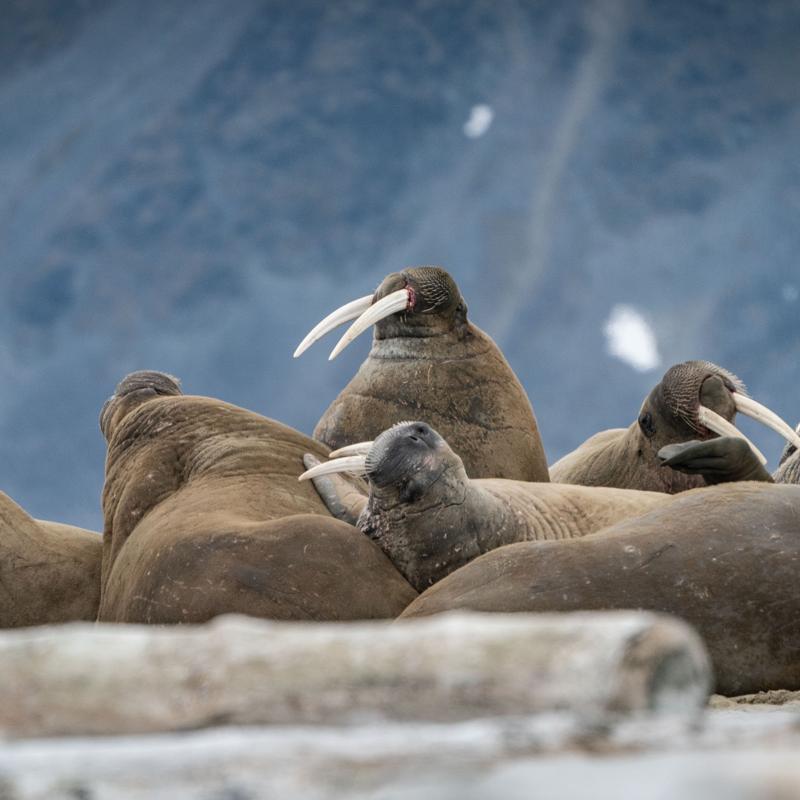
(646, 424)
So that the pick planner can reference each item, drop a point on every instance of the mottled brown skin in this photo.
(430, 518)
(49, 572)
(433, 364)
(628, 457)
(204, 515)
(724, 558)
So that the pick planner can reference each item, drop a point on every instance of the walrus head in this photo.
(697, 400)
(133, 389)
(419, 301)
(402, 464)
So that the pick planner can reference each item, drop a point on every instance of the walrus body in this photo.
(725, 558)
(49, 572)
(693, 400)
(429, 362)
(431, 519)
(204, 515)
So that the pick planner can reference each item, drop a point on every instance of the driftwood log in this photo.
(111, 679)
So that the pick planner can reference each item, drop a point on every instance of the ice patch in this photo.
(630, 339)
(480, 118)
(790, 293)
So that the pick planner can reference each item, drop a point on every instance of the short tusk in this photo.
(385, 307)
(358, 449)
(762, 414)
(714, 422)
(351, 310)
(349, 464)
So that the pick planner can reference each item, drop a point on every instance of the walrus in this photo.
(429, 362)
(431, 519)
(725, 558)
(204, 515)
(49, 572)
(694, 400)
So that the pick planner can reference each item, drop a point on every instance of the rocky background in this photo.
(191, 186)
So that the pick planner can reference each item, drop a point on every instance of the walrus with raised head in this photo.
(49, 572)
(725, 558)
(429, 362)
(204, 515)
(694, 400)
(431, 519)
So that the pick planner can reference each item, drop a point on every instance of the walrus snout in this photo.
(405, 448)
(402, 295)
(704, 398)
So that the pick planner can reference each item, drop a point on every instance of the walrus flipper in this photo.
(345, 496)
(720, 460)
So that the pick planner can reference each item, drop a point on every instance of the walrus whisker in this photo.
(347, 464)
(385, 307)
(357, 449)
(755, 410)
(714, 422)
(351, 310)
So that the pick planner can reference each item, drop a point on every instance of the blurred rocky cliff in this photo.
(191, 186)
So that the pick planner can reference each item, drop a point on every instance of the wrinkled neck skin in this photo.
(453, 522)
(640, 468)
(418, 336)
(625, 459)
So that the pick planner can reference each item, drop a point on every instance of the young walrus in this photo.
(694, 400)
(429, 362)
(431, 519)
(724, 558)
(204, 516)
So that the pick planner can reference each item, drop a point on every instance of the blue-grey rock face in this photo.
(191, 186)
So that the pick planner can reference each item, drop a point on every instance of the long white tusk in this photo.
(385, 307)
(357, 449)
(714, 422)
(349, 464)
(351, 310)
(754, 410)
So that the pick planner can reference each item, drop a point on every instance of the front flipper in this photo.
(720, 460)
(344, 495)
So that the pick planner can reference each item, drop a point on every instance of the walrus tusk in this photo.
(714, 422)
(351, 310)
(762, 414)
(385, 307)
(348, 464)
(357, 449)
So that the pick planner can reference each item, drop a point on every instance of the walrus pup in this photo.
(431, 519)
(49, 572)
(429, 362)
(204, 516)
(725, 558)
(694, 400)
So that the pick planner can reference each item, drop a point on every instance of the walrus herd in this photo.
(425, 488)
